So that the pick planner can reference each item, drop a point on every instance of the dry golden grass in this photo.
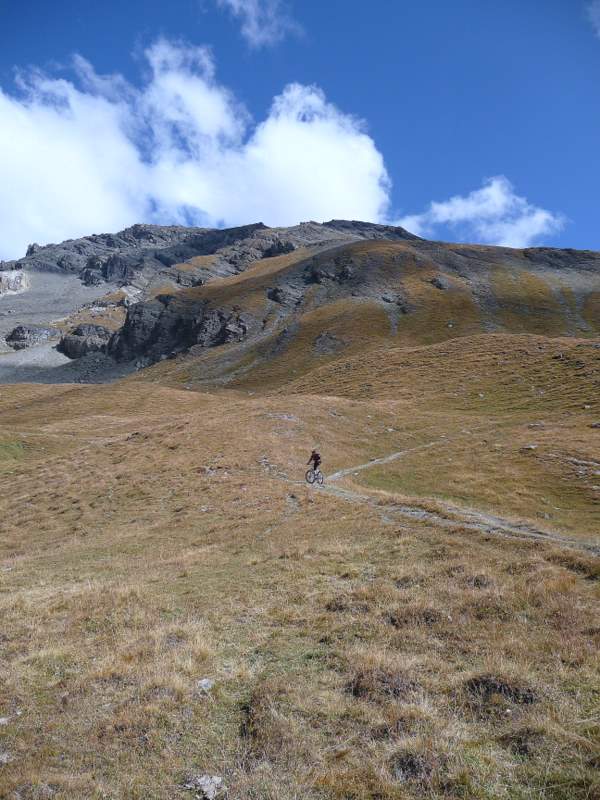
(517, 292)
(195, 263)
(150, 539)
(111, 318)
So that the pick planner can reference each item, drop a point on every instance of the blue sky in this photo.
(229, 111)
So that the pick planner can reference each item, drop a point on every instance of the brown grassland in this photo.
(427, 626)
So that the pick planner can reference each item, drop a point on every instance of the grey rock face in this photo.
(165, 326)
(120, 268)
(139, 253)
(84, 339)
(370, 230)
(29, 335)
(338, 268)
(279, 248)
(285, 296)
(91, 277)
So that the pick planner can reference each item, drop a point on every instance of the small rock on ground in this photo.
(205, 685)
(207, 787)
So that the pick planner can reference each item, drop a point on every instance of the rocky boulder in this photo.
(328, 343)
(84, 339)
(91, 277)
(280, 247)
(441, 282)
(24, 336)
(13, 280)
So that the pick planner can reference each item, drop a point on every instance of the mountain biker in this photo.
(315, 458)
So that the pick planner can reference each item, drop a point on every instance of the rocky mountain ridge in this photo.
(157, 292)
(143, 253)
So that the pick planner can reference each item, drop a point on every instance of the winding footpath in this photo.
(467, 518)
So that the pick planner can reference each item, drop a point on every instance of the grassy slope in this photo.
(525, 404)
(152, 536)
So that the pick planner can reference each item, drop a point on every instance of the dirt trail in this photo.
(465, 518)
(342, 473)
(443, 439)
(469, 518)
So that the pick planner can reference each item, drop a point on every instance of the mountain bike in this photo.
(314, 476)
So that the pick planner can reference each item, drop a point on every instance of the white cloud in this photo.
(96, 154)
(593, 13)
(264, 22)
(494, 214)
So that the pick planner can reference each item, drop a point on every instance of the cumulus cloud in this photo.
(264, 22)
(593, 13)
(94, 153)
(494, 214)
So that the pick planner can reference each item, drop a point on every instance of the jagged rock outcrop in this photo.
(24, 336)
(83, 340)
(166, 326)
(137, 252)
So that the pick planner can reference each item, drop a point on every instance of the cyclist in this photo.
(315, 458)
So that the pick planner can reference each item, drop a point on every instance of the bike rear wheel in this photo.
(320, 478)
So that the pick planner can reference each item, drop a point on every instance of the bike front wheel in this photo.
(310, 476)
